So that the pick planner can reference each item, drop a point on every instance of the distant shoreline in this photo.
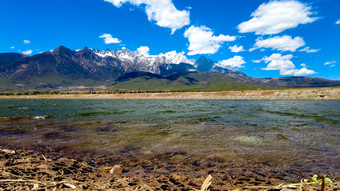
(280, 94)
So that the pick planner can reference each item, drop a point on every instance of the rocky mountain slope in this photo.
(125, 69)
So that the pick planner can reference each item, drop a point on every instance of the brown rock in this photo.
(2, 164)
(43, 166)
(116, 170)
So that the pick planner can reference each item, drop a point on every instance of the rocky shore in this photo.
(278, 94)
(32, 170)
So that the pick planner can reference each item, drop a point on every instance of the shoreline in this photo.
(280, 94)
(28, 169)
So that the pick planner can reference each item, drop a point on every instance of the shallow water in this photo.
(303, 134)
(221, 112)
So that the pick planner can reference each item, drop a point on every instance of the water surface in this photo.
(302, 134)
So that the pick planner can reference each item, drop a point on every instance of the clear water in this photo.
(296, 132)
(219, 112)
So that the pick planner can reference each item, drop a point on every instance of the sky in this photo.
(263, 38)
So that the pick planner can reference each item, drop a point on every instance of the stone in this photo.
(116, 170)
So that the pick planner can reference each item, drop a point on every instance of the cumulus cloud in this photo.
(285, 65)
(308, 50)
(283, 43)
(108, 39)
(278, 62)
(235, 62)
(277, 16)
(144, 50)
(203, 41)
(338, 22)
(236, 48)
(163, 12)
(27, 52)
(26, 41)
(298, 72)
(12, 47)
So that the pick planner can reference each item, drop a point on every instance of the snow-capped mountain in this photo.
(147, 63)
(63, 67)
(126, 61)
(106, 65)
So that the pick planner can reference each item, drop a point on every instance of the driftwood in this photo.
(38, 184)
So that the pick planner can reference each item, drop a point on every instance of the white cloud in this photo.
(252, 49)
(108, 39)
(235, 62)
(236, 48)
(27, 52)
(278, 62)
(203, 41)
(26, 41)
(332, 63)
(298, 72)
(276, 16)
(12, 47)
(338, 22)
(163, 12)
(285, 65)
(257, 61)
(144, 50)
(308, 50)
(283, 43)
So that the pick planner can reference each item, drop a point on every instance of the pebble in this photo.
(116, 170)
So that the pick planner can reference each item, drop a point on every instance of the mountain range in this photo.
(65, 69)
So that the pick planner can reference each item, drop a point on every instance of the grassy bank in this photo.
(299, 93)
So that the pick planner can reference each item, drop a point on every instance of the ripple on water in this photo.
(207, 129)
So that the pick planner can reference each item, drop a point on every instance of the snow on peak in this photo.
(171, 57)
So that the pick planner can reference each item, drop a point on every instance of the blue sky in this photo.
(278, 37)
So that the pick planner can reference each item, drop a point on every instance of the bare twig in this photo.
(16, 180)
(206, 183)
(323, 183)
(46, 183)
(8, 151)
(280, 186)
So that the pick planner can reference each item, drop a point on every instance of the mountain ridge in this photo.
(66, 68)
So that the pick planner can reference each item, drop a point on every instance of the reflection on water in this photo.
(288, 131)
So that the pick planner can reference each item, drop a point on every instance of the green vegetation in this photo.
(315, 180)
(189, 82)
(57, 84)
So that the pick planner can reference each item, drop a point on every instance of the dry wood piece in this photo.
(7, 151)
(207, 182)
